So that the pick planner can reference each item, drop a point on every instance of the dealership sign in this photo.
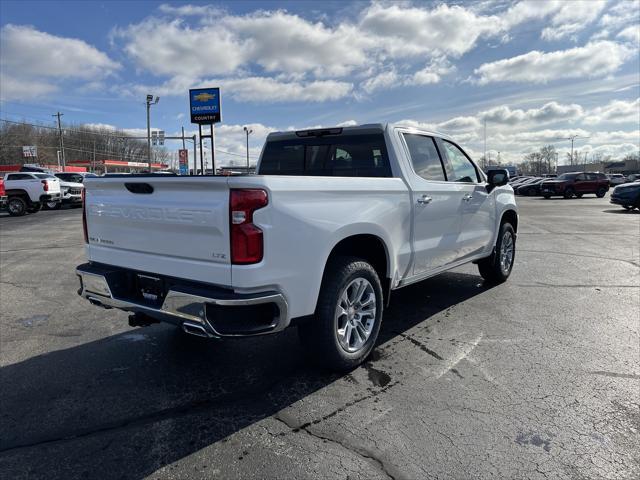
(204, 105)
(29, 151)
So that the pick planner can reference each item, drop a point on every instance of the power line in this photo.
(113, 135)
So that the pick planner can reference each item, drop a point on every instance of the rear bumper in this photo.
(210, 310)
(53, 197)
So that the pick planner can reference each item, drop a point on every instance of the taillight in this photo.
(45, 185)
(84, 217)
(246, 238)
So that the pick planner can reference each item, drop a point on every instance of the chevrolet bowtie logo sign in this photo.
(204, 97)
(204, 105)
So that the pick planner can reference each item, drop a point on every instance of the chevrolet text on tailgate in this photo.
(334, 221)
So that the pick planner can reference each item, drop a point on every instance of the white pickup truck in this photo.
(28, 191)
(334, 221)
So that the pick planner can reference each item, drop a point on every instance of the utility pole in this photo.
(149, 103)
(248, 131)
(183, 144)
(61, 139)
(485, 144)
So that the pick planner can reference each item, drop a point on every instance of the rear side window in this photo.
(335, 155)
(462, 170)
(425, 157)
(19, 176)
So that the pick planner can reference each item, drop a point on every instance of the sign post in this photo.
(204, 107)
(183, 160)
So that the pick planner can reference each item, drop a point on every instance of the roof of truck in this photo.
(354, 129)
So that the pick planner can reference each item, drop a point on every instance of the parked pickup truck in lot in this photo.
(70, 191)
(334, 220)
(3, 195)
(576, 184)
(27, 191)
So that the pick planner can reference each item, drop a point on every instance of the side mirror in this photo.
(497, 178)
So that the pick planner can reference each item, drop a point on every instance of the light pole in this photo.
(572, 138)
(248, 131)
(150, 102)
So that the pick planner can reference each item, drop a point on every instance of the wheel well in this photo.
(512, 217)
(369, 248)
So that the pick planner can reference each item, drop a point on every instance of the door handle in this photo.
(467, 197)
(424, 200)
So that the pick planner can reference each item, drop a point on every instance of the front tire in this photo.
(348, 316)
(497, 267)
(53, 205)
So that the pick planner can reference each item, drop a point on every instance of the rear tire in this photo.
(601, 192)
(345, 327)
(547, 197)
(497, 267)
(17, 206)
(568, 193)
(34, 208)
(579, 195)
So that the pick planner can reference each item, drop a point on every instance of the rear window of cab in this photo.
(336, 155)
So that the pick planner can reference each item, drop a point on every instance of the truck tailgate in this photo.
(175, 226)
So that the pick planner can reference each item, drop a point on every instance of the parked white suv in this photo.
(334, 220)
(27, 191)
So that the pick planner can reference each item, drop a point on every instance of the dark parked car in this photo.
(576, 184)
(627, 195)
(530, 189)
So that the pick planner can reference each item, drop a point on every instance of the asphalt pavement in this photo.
(536, 378)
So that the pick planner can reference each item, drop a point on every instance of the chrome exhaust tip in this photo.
(195, 329)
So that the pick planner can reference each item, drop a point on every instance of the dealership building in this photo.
(626, 167)
(116, 166)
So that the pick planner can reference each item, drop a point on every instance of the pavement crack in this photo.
(617, 375)
(581, 255)
(358, 450)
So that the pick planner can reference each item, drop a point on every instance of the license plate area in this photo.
(150, 289)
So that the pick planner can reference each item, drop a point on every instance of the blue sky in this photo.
(535, 71)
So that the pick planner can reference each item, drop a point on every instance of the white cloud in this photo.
(269, 90)
(280, 44)
(549, 112)
(99, 126)
(571, 17)
(383, 80)
(432, 73)
(12, 88)
(188, 10)
(406, 31)
(253, 89)
(33, 63)
(616, 111)
(631, 33)
(593, 60)
(347, 123)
